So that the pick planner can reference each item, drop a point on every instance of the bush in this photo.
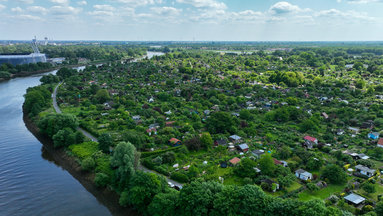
(88, 164)
(84, 150)
(180, 177)
(63, 138)
(101, 179)
(103, 166)
(369, 188)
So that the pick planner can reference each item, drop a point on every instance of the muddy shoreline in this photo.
(105, 196)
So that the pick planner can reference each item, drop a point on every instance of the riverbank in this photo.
(105, 196)
(30, 73)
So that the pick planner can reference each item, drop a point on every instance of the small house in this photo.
(174, 142)
(169, 124)
(354, 199)
(303, 175)
(258, 153)
(155, 125)
(151, 131)
(235, 138)
(281, 163)
(220, 142)
(380, 143)
(310, 141)
(234, 161)
(363, 156)
(353, 130)
(325, 116)
(339, 132)
(373, 135)
(365, 170)
(136, 118)
(367, 125)
(243, 147)
(168, 112)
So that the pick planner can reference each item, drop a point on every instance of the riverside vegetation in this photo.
(265, 132)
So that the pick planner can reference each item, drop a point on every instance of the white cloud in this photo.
(64, 10)
(286, 8)
(60, 1)
(26, 18)
(37, 9)
(166, 11)
(25, 1)
(127, 11)
(16, 9)
(350, 15)
(104, 7)
(137, 3)
(247, 16)
(82, 3)
(101, 13)
(363, 1)
(2, 7)
(204, 4)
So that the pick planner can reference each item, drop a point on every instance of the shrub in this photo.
(88, 164)
(84, 150)
(101, 179)
(180, 177)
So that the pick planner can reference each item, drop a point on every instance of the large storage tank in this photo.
(17, 59)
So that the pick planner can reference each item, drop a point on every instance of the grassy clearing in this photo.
(321, 194)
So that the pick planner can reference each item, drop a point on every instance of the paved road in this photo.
(90, 136)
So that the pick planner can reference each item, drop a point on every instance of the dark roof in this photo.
(221, 142)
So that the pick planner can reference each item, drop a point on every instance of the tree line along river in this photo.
(31, 181)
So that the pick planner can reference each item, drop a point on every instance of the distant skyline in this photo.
(188, 20)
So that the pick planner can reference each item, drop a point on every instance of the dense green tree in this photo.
(206, 140)
(144, 186)
(286, 180)
(64, 137)
(52, 123)
(104, 142)
(66, 72)
(266, 165)
(220, 122)
(102, 96)
(164, 204)
(197, 198)
(124, 159)
(246, 168)
(335, 174)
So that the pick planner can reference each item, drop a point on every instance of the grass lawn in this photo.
(374, 196)
(321, 194)
(46, 112)
(72, 110)
(294, 186)
(222, 171)
(233, 180)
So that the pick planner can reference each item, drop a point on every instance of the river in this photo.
(31, 182)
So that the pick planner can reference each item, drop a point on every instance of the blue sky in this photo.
(200, 20)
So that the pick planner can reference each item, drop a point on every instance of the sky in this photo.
(192, 20)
